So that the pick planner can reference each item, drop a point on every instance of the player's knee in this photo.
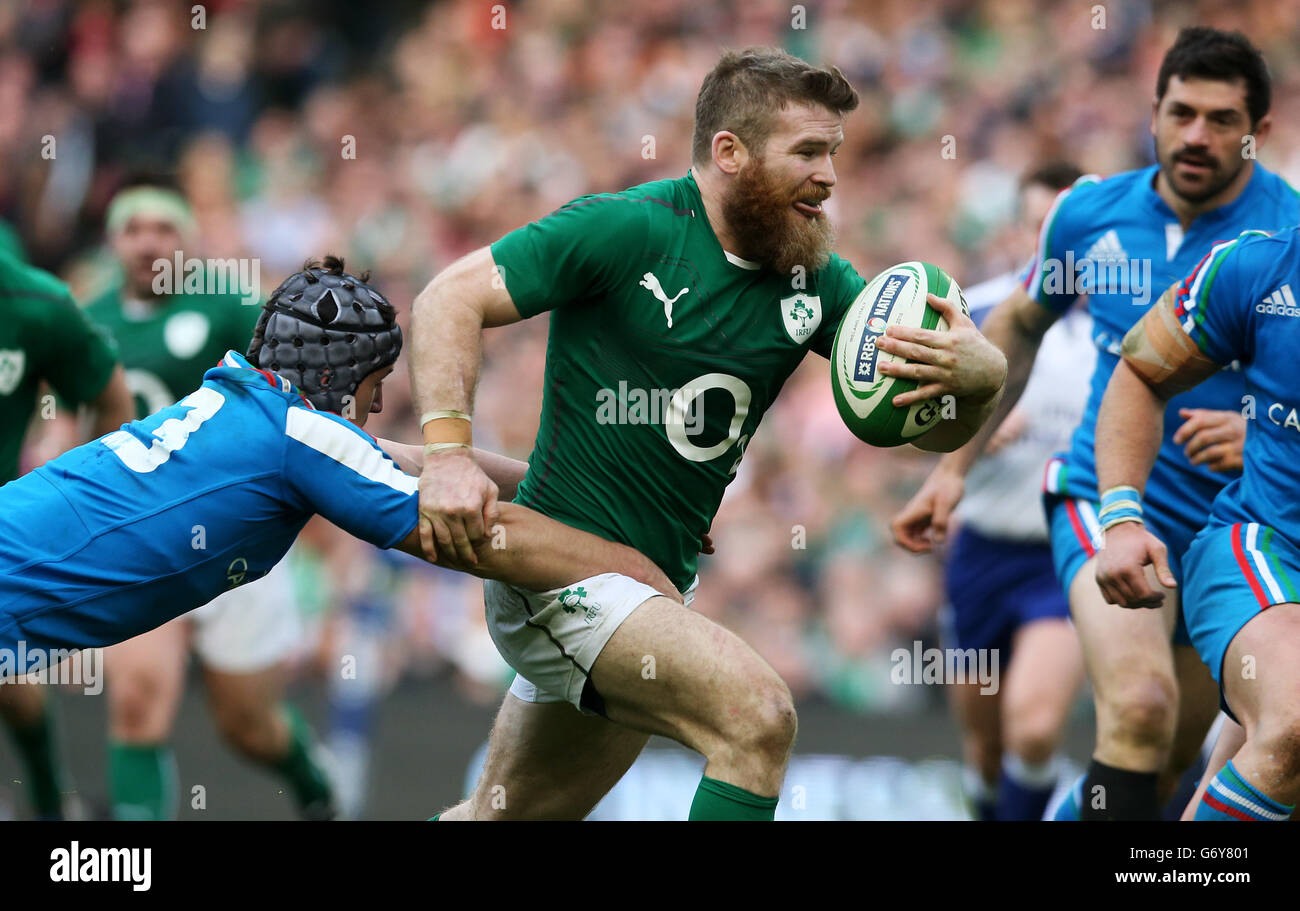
(252, 730)
(1035, 746)
(1034, 734)
(135, 701)
(768, 725)
(1278, 738)
(1143, 711)
(780, 722)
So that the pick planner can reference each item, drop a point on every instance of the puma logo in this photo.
(651, 284)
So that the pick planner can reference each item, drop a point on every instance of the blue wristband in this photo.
(1118, 505)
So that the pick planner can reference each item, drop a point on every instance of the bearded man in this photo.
(694, 298)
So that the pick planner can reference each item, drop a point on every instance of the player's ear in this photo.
(729, 153)
(1262, 129)
(1155, 111)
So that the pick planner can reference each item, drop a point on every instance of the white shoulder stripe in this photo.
(327, 437)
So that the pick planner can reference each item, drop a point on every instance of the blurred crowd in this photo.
(402, 135)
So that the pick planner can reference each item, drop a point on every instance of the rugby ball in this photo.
(862, 394)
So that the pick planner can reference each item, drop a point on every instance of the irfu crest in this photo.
(802, 314)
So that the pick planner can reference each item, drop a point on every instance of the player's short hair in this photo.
(325, 331)
(746, 89)
(1208, 53)
(1054, 175)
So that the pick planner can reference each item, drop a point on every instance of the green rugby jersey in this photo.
(168, 344)
(664, 353)
(11, 245)
(43, 336)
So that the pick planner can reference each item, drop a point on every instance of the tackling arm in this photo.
(504, 471)
(531, 551)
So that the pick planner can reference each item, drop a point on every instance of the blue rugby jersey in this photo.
(118, 536)
(1239, 304)
(1118, 242)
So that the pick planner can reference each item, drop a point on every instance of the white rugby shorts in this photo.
(252, 627)
(552, 638)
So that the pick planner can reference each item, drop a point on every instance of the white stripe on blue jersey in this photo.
(349, 449)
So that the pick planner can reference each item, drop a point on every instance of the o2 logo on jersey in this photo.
(683, 403)
(236, 572)
(170, 436)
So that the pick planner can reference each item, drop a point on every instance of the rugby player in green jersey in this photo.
(173, 318)
(696, 298)
(45, 337)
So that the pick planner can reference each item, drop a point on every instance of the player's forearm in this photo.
(970, 416)
(504, 471)
(447, 347)
(531, 551)
(1130, 426)
(1019, 343)
(408, 456)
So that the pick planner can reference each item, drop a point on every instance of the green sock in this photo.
(142, 781)
(36, 745)
(433, 818)
(717, 800)
(311, 787)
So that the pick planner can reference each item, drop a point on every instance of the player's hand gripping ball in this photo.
(863, 394)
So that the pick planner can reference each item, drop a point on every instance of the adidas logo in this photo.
(1107, 248)
(1279, 303)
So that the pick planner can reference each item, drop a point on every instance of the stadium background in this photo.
(464, 131)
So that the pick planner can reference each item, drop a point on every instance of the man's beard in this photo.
(762, 219)
(1214, 183)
